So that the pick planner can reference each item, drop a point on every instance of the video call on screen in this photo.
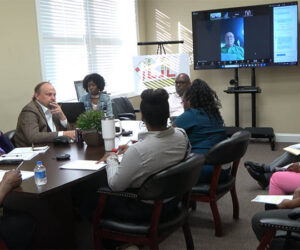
(254, 36)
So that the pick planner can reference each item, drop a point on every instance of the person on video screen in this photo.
(231, 51)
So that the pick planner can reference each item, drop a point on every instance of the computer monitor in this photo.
(72, 110)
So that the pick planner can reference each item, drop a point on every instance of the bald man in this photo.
(230, 51)
(42, 120)
(182, 83)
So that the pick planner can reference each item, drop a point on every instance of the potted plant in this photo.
(90, 125)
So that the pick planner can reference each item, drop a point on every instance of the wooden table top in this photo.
(58, 178)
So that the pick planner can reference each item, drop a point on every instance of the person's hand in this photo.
(56, 109)
(105, 157)
(11, 179)
(70, 133)
(284, 204)
(122, 149)
(294, 167)
(296, 193)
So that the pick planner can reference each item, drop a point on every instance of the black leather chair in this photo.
(282, 228)
(175, 181)
(10, 136)
(228, 151)
(123, 109)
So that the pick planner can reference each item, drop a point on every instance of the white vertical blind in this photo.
(78, 37)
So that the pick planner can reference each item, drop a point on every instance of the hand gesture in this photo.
(70, 133)
(106, 156)
(56, 109)
(11, 179)
(122, 149)
(297, 193)
(284, 204)
(294, 167)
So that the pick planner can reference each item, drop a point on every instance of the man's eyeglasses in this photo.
(180, 82)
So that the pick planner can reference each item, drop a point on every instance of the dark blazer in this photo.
(32, 126)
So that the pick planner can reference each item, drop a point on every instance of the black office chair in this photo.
(289, 229)
(230, 151)
(123, 109)
(10, 136)
(175, 181)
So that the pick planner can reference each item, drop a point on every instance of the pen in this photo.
(18, 167)
(120, 149)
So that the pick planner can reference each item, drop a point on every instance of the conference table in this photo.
(51, 204)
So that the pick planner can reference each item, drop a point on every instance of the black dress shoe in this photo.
(258, 167)
(259, 177)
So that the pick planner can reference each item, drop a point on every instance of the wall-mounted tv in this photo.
(251, 36)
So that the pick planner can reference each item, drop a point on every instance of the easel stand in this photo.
(256, 132)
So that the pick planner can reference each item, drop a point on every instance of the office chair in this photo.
(175, 181)
(288, 229)
(80, 91)
(123, 109)
(230, 151)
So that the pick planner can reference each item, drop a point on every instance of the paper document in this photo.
(17, 156)
(25, 174)
(24, 153)
(23, 150)
(83, 165)
(293, 149)
(272, 199)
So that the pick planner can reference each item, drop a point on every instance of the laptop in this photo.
(72, 110)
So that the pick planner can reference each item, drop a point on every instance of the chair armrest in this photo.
(295, 213)
(137, 110)
(281, 224)
(130, 193)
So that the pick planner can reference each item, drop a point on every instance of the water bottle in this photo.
(40, 174)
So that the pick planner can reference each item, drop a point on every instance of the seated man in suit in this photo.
(42, 120)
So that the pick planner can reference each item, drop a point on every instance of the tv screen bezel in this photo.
(246, 63)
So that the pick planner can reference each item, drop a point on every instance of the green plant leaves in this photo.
(90, 120)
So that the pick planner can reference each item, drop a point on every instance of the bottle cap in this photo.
(114, 150)
(39, 163)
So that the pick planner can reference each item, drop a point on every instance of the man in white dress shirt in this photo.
(42, 120)
(182, 83)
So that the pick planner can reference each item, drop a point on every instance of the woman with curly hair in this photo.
(95, 98)
(202, 122)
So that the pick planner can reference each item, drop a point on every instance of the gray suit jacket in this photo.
(32, 126)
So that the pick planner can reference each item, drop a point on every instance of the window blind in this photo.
(78, 37)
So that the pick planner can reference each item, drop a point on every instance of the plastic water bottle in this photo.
(40, 174)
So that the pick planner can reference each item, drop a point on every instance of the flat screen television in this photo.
(251, 36)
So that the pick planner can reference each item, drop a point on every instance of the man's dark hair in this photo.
(200, 95)
(155, 107)
(96, 78)
(37, 89)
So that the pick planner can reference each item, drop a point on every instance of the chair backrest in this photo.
(173, 181)
(228, 150)
(80, 91)
(121, 105)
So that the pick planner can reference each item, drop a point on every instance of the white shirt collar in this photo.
(45, 109)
